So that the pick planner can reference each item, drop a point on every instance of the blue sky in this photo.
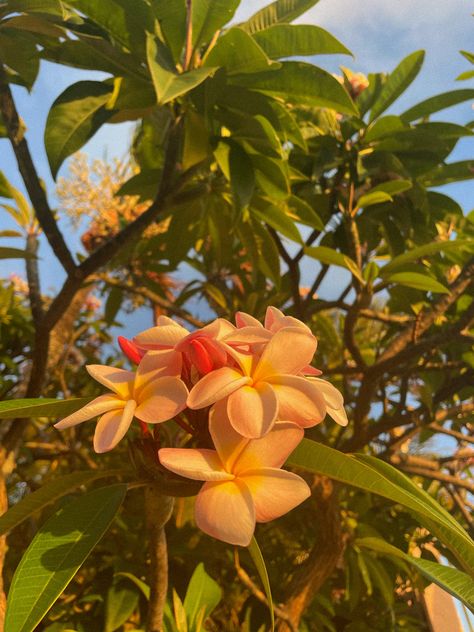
(379, 32)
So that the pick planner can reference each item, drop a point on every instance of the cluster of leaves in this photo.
(266, 172)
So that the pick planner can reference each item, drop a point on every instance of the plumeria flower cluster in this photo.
(257, 392)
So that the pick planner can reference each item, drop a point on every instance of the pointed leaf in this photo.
(237, 52)
(397, 82)
(56, 553)
(455, 582)
(437, 103)
(427, 250)
(209, 16)
(291, 40)
(49, 493)
(15, 253)
(278, 12)
(417, 281)
(121, 602)
(305, 83)
(447, 173)
(331, 256)
(41, 407)
(259, 562)
(203, 593)
(74, 118)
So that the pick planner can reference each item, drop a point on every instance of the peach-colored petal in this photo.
(112, 427)
(161, 399)
(166, 320)
(117, 380)
(252, 410)
(275, 492)
(243, 319)
(154, 365)
(164, 336)
(330, 393)
(248, 336)
(200, 465)
(299, 400)
(226, 511)
(311, 370)
(215, 386)
(272, 316)
(289, 350)
(97, 406)
(218, 328)
(272, 450)
(227, 441)
(339, 415)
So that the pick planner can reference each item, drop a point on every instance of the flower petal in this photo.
(215, 386)
(248, 336)
(154, 365)
(227, 441)
(217, 329)
(276, 320)
(164, 336)
(112, 427)
(252, 410)
(288, 351)
(275, 492)
(339, 415)
(242, 319)
(200, 465)
(97, 406)
(299, 400)
(161, 399)
(117, 380)
(332, 396)
(226, 511)
(272, 450)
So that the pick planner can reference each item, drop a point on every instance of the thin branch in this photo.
(438, 476)
(293, 271)
(188, 48)
(451, 433)
(32, 275)
(30, 177)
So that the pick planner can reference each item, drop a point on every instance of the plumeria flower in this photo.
(334, 400)
(153, 394)
(244, 482)
(201, 348)
(260, 388)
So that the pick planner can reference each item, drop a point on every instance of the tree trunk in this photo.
(323, 557)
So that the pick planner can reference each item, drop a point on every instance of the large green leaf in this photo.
(49, 493)
(237, 52)
(40, 407)
(52, 7)
(208, 16)
(74, 118)
(169, 85)
(202, 596)
(375, 476)
(397, 82)
(333, 257)
(451, 172)
(457, 583)
(172, 19)
(302, 82)
(427, 250)
(259, 562)
(291, 40)
(437, 103)
(56, 553)
(278, 12)
(418, 281)
(276, 217)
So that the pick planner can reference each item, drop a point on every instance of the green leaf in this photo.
(49, 493)
(417, 281)
(384, 126)
(209, 16)
(437, 103)
(179, 613)
(74, 118)
(303, 213)
(271, 176)
(41, 407)
(451, 172)
(331, 256)
(397, 82)
(393, 187)
(259, 562)
(427, 250)
(303, 83)
(196, 146)
(373, 197)
(52, 7)
(279, 12)
(113, 304)
(237, 52)
(455, 582)
(169, 85)
(203, 593)
(121, 602)
(468, 74)
(15, 253)
(291, 40)
(56, 553)
(375, 476)
(276, 217)
(145, 589)
(242, 176)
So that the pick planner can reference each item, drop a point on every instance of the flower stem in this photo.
(158, 509)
